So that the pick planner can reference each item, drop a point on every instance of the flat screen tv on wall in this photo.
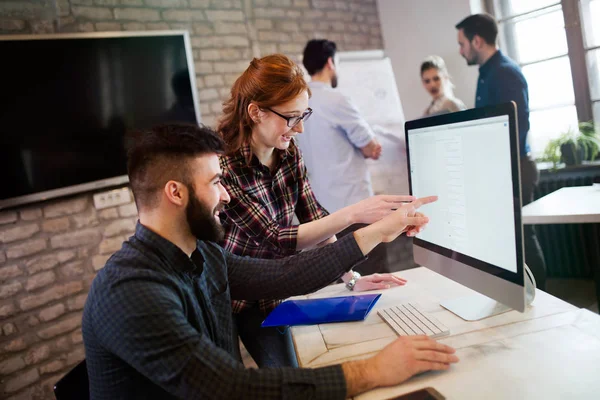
(66, 102)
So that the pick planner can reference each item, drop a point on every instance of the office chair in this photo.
(74, 385)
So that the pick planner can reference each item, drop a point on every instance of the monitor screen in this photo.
(468, 165)
(67, 101)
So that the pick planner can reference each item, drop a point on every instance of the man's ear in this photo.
(254, 112)
(330, 63)
(477, 42)
(176, 193)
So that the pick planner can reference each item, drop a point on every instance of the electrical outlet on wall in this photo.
(112, 198)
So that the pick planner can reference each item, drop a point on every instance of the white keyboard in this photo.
(409, 320)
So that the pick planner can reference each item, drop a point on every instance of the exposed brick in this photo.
(119, 227)
(220, 41)
(77, 238)
(76, 356)
(38, 354)
(56, 225)
(15, 345)
(72, 269)
(291, 48)
(54, 293)
(65, 256)
(88, 218)
(108, 26)
(110, 245)
(33, 321)
(31, 214)
(229, 28)
(7, 310)
(10, 289)
(12, 25)
(21, 381)
(8, 329)
(272, 36)
(9, 272)
(53, 312)
(226, 4)
(203, 67)
(40, 280)
(99, 261)
(61, 327)
(224, 15)
(41, 264)
(128, 210)
(52, 366)
(269, 12)
(301, 4)
(136, 14)
(76, 337)
(227, 67)
(77, 303)
(8, 217)
(230, 79)
(263, 24)
(11, 365)
(183, 15)
(68, 207)
(134, 26)
(293, 14)
(157, 26)
(199, 3)
(97, 13)
(62, 345)
(166, 3)
(2, 257)
(208, 94)
(26, 248)
(109, 213)
(214, 80)
(18, 233)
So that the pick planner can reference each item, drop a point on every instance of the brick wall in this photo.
(50, 252)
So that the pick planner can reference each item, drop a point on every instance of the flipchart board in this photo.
(368, 79)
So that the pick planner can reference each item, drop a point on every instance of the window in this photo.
(590, 10)
(552, 59)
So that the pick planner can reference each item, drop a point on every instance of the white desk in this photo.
(568, 205)
(552, 351)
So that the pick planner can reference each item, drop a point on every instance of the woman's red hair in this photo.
(267, 82)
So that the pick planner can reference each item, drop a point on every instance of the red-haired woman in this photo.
(265, 176)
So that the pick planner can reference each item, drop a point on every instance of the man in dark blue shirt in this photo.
(501, 81)
(157, 321)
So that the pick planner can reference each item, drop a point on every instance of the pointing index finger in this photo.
(424, 200)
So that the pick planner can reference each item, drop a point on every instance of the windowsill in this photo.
(546, 167)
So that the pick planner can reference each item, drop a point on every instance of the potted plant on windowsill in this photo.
(573, 146)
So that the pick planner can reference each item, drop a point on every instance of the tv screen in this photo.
(67, 101)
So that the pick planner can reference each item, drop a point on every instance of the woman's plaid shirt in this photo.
(258, 220)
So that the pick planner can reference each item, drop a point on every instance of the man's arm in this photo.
(372, 149)
(254, 279)
(150, 332)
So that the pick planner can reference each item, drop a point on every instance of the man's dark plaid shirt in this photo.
(157, 323)
(258, 220)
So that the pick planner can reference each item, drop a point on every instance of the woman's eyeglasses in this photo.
(293, 121)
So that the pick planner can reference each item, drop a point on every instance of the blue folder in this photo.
(320, 311)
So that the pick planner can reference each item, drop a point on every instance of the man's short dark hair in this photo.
(483, 25)
(163, 153)
(316, 54)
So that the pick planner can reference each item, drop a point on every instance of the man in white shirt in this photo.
(336, 141)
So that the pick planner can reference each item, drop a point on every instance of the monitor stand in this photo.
(477, 306)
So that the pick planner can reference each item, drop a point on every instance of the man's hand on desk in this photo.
(404, 219)
(397, 362)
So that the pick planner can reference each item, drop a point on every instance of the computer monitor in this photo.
(470, 159)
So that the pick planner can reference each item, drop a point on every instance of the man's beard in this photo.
(334, 81)
(202, 221)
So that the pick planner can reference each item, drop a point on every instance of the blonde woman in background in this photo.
(436, 80)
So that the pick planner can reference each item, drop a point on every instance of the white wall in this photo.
(414, 29)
